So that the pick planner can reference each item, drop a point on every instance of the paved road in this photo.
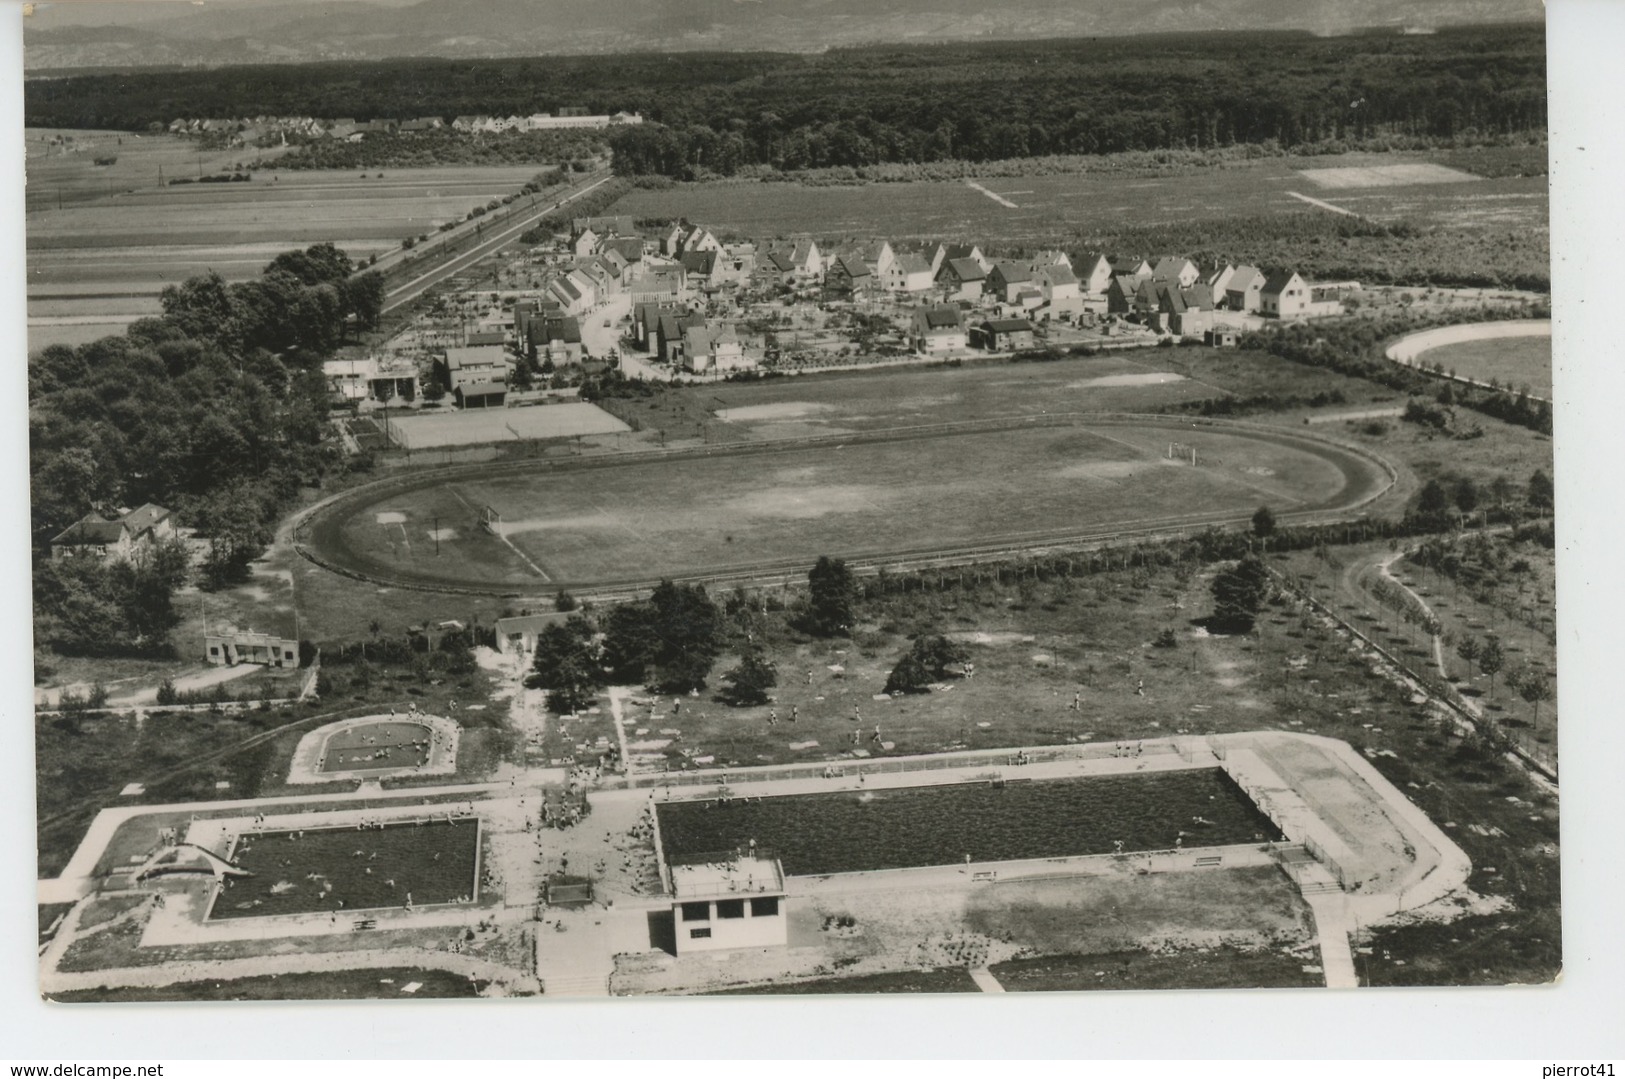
(417, 286)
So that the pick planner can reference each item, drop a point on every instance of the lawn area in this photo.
(1220, 968)
(636, 519)
(1513, 362)
(384, 983)
(846, 832)
(349, 869)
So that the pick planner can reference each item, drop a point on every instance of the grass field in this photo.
(1044, 209)
(937, 825)
(352, 869)
(1509, 361)
(638, 520)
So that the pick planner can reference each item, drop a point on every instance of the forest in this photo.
(716, 113)
(215, 409)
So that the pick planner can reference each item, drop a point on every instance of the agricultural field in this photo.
(637, 520)
(1029, 211)
(120, 233)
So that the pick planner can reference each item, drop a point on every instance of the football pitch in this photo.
(517, 528)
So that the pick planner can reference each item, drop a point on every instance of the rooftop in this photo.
(729, 875)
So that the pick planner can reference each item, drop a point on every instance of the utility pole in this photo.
(437, 535)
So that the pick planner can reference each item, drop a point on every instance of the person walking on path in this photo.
(1139, 687)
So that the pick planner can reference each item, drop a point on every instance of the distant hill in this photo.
(135, 34)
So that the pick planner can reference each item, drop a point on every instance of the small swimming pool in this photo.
(852, 831)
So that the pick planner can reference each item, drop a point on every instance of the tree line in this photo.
(216, 410)
(716, 113)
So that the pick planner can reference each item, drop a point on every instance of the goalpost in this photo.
(1179, 451)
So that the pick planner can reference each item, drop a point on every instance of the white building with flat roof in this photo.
(737, 901)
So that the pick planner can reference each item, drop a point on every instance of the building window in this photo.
(730, 908)
(696, 912)
(700, 934)
(765, 907)
(214, 650)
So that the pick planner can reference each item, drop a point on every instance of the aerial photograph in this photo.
(550, 498)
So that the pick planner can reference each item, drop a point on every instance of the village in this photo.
(677, 303)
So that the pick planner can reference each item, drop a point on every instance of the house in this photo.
(962, 278)
(1180, 272)
(1047, 259)
(1243, 291)
(727, 352)
(1059, 287)
(1182, 312)
(658, 285)
(938, 328)
(736, 264)
(587, 285)
(1120, 295)
(1007, 279)
(115, 538)
(619, 225)
(879, 255)
(809, 262)
(935, 254)
(477, 375)
(698, 239)
(669, 329)
(848, 274)
(795, 263)
(231, 647)
(693, 352)
(557, 338)
(567, 295)
(1284, 295)
(699, 266)
(966, 251)
(1134, 267)
(356, 381)
(670, 242)
(910, 272)
(646, 319)
(1217, 277)
(629, 248)
(1094, 275)
(735, 900)
(516, 635)
(1003, 334)
(584, 244)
